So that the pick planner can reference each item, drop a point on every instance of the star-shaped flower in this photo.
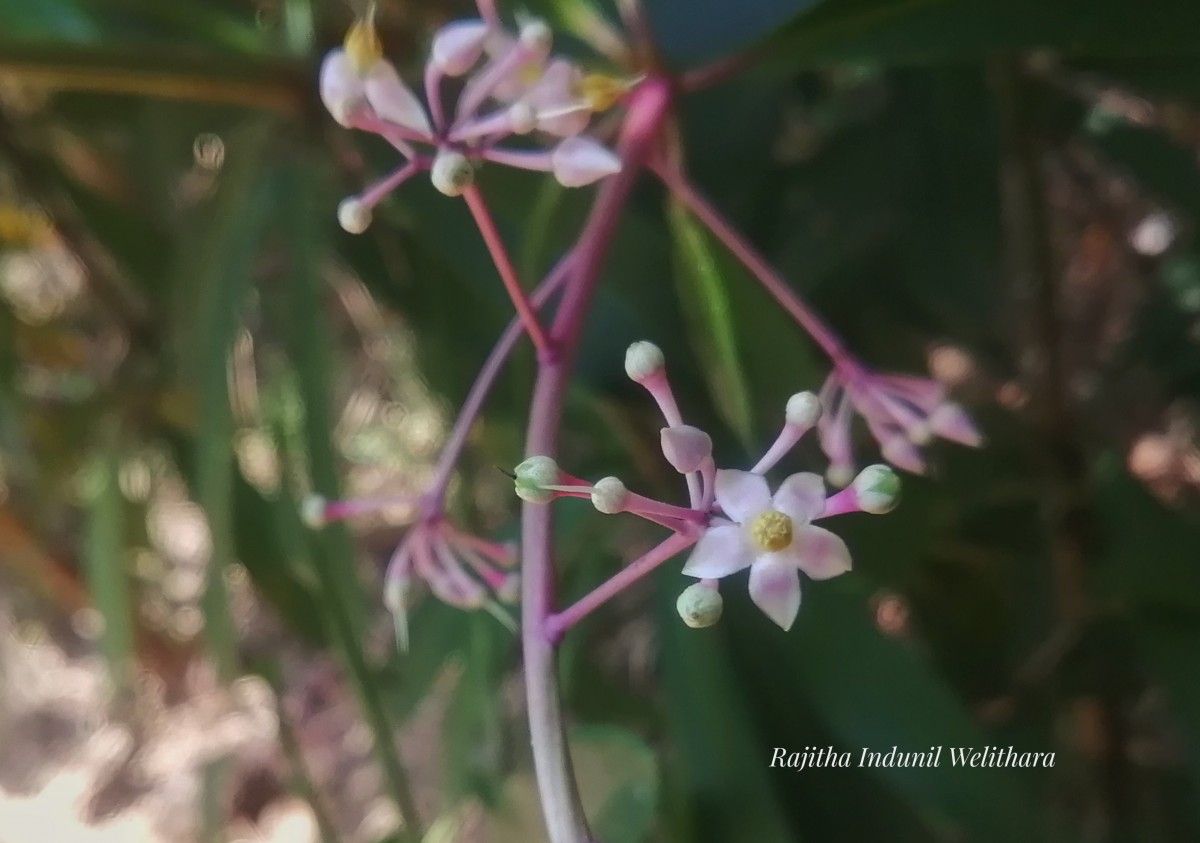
(773, 536)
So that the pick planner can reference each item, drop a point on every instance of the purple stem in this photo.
(508, 273)
(559, 623)
(778, 288)
(435, 498)
(565, 822)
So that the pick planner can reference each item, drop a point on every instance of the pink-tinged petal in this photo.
(458, 45)
(686, 447)
(902, 453)
(393, 101)
(720, 552)
(801, 497)
(578, 161)
(950, 421)
(556, 95)
(818, 553)
(775, 588)
(742, 495)
(341, 87)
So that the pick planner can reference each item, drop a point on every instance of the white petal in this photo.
(578, 161)
(457, 46)
(818, 553)
(393, 101)
(775, 588)
(685, 447)
(801, 497)
(341, 88)
(742, 495)
(720, 552)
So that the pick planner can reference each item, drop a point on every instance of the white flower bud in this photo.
(533, 476)
(522, 118)
(686, 447)
(353, 215)
(609, 494)
(312, 512)
(643, 360)
(839, 476)
(877, 488)
(803, 410)
(700, 605)
(458, 45)
(537, 36)
(510, 591)
(451, 173)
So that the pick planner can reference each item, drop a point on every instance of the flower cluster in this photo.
(508, 85)
(733, 519)
(460, 569)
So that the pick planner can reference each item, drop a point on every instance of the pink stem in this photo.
(843, 502)
(375, 194)
(565, 822)
(508, 273)
(436, 496)
(557, 624)
(779, 289)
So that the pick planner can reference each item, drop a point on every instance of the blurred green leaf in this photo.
(104, 555)
(705, 296)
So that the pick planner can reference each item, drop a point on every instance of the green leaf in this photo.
(706, 305)
(216, 274)
(104, 555)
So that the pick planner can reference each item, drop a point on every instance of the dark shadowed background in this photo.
(1002, 193)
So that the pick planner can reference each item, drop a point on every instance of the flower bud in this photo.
(533, 476)
(457, 46)
(579, 161)
(609, 494)
(451, 173)
(803, 410)
(341, 87)
(353, 215)
(312, 512)
(522, 118)
(950, 421)
(395, 600)
(536, 35)
(901, 452)
(686, 447)
(510, 591)
(839, 476)
(877, 489)
(700, 605)
(643, 360)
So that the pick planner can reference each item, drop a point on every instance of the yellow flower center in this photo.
(771, 531)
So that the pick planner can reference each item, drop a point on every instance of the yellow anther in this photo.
(602, 92)
(362, 42)
(23, 227)
(771, 531)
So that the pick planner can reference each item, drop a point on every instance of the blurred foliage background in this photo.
(1001, 193)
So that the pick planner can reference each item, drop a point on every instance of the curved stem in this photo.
(565, 822)
(559, 623)
(504, 265)
(452, 450)
(778, 288)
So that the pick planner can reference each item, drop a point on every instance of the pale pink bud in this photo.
(451, 173)
(643, 360)
(578, 161)
(902, 453)
(803, 410)
(393, 101)
(342, 88)
(312, 512)
(457, 46)
(609, 495)
(877, 489)
(686, 447)
(522, 119)
(353, 216)
(700, 605)
(950, 421)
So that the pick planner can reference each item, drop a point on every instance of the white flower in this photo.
(579, 161)
(773, 536)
